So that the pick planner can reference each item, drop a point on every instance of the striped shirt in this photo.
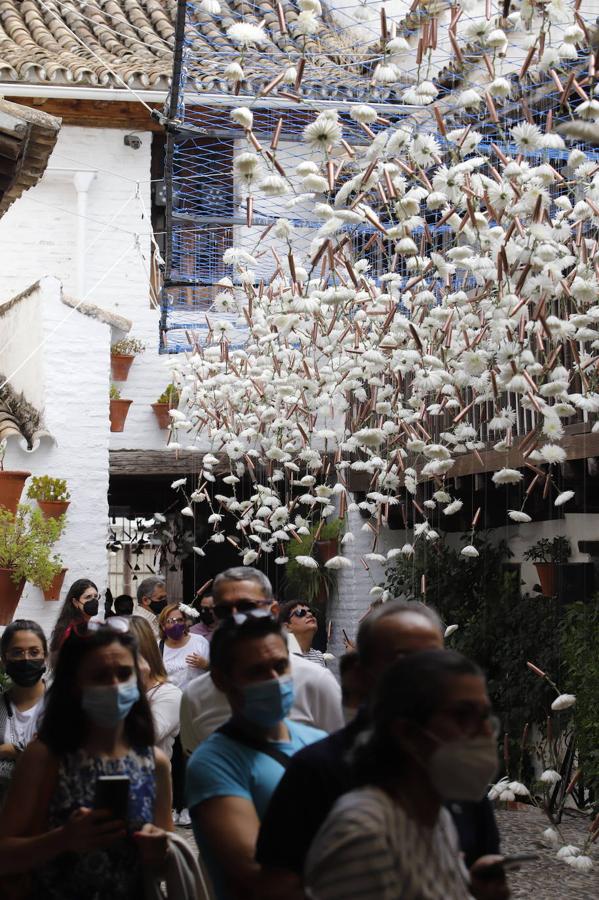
(368, 848)
(314, 656)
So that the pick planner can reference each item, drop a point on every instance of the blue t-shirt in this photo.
(222, 767)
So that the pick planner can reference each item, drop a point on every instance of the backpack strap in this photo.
(230, 730)
(161, 647)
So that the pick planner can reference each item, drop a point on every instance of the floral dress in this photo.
(114, 873)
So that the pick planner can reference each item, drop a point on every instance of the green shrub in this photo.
(170, 395)
(127, 347)
(43, 487)
(26, 538)
(115, 394)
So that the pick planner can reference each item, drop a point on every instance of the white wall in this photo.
(73, 382)
(39, 236)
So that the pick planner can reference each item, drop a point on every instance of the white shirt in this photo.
(369, 848)
(165, 703)
(317, 702)
(150, 618)
(174, 659)
(24, 725)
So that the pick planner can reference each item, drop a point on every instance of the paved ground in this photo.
(547, 878)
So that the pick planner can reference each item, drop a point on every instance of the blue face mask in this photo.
(266, 703)
(109, 705)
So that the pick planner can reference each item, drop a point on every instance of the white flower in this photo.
(281, 560)
(233, 72)
(159, 517)
(516, 515)
(550, 776)
(305, 24)
(527, 137)
(243, 116)
(385, 73)
(246, 163)
(212, 7)
(453, 508)
(339, 562)
(507, 476)
(451, 629)
(316, 183)
(499, 87)
(552, 454)
(218, 538)
(550, 836)
(564, 701)
(179, 483)
(188, 611)
(470, 551)
(323, 132)
(249, 557)
(274, 186)
(581, 863)
(567, 850)
(363, 113)
(563, 498)
(407, 550)
(246, 34)
(187, 511)
(370, 437)
(308, 562)
(518, 789)
(199, 551)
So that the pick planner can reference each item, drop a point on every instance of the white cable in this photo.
(73, 309)
(93, 53)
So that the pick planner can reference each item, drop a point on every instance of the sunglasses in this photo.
(225, 610)
(117, 624)
(301, 613)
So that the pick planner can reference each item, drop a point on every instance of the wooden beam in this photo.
(155, 462)
(96, 113)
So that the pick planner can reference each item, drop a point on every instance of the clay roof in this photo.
(27, 138)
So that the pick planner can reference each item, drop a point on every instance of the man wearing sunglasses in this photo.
(298, 620)
(317, 696)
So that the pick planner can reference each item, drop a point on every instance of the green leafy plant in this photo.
(170, 395)
(115, 394)
(26, 539)
(580, 638)
(127, 347)
(331, 530)
(43, 487)
(558, 550)
(309, 585)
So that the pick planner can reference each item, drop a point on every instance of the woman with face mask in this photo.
(23, 652)
(81, 603)
(97, 724)
(185, 655)
(433, 741)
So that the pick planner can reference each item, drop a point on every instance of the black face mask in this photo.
(206, 615)
(91, 607)
(158, 605)
(25, 672)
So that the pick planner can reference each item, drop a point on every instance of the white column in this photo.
(82, 182)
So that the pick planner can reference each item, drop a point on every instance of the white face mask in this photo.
(463, 769)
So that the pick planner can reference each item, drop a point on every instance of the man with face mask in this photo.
(207, 620)
(232, 775)
(319, 775)
(151, 600)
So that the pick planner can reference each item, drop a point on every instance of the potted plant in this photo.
(326, 541)
(122, 355)
(169, 399)
(548, 557)
(118, 409)
(53, 592)
(26, 539)
(52, 495)
(11, 483)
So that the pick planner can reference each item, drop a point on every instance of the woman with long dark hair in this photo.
(97, 724)
(23, 654)
(81, 603)
(433, 741)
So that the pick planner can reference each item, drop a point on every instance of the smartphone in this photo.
(510, 861)
(112, 793)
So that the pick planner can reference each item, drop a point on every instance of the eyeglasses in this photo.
(471, 721)
(174, 621)
(29, 653)
(224, 610)
(118, 624)
(301, 613)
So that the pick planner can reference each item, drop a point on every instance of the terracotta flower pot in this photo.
(10, 594)
(548, 576)
(118, 414)
(120, 365)
(53, 509)
(11, 488)
(161, 413)
(53, 592)
(326, 550)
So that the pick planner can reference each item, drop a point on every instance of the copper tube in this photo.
(300, 73)
(249, 211)
(281, 18)
(267, 89)
(277, 134)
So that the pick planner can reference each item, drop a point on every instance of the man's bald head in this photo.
(396, 629)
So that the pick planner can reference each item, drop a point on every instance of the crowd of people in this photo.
(133, 719)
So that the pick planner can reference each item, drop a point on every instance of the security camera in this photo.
(133, 141)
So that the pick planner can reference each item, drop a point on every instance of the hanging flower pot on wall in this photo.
(120, 364)
(118, 414)
(548, 573)
(53, 592)
(11, 488)
(161, 413)
(53, 509)
(10, 594)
